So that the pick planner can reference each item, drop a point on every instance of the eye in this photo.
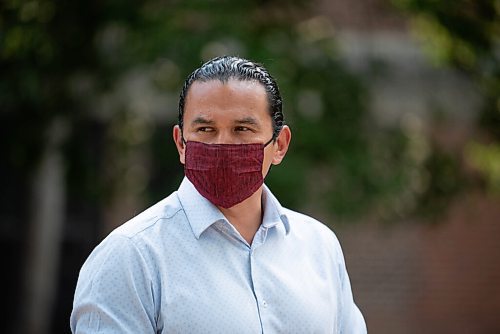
(204, 129)
(242, 128)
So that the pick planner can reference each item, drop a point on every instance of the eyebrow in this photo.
(248, 120)
(201, 120)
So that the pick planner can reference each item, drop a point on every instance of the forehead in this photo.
(234, 98)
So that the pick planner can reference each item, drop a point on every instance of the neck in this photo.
(246, 216)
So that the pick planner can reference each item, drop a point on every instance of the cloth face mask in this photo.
(225, 174)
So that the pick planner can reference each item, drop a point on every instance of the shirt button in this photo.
(264, 304)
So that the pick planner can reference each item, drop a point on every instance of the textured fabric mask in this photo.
(225, 174)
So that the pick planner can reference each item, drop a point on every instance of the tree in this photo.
(465, 34)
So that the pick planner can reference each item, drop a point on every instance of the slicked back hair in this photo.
(230, 67)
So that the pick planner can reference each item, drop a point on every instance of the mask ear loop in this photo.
(182, 138)
(273, 138)
(270, 140)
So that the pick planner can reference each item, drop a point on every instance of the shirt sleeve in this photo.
(351, 319)
(114, 293)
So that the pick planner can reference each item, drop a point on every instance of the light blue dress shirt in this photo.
(181, 267)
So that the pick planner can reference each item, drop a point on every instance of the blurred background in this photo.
(394, 108)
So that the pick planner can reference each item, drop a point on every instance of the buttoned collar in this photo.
(201, 213)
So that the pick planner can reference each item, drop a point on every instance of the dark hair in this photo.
(229, 67)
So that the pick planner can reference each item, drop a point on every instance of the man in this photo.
(220, 255)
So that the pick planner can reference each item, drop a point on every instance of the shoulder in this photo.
(113, 254)
(303, 222)
(298, 223)
(162, 213)
(134, 242)
(310, 229)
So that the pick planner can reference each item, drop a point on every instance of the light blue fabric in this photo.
(181, 267)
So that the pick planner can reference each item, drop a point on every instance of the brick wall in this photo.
(429, 278)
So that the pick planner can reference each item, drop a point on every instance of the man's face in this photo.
(236, 112)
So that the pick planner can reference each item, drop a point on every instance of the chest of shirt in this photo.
(217, 284)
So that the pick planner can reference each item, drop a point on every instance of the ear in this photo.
(181, 148)
(281, 145)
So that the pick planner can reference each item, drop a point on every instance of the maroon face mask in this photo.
(225, 174)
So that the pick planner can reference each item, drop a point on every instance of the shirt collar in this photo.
(201, 213)
(273, 211)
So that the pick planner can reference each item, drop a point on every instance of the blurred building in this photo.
(417, 276)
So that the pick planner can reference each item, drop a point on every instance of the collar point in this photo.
(286, 223)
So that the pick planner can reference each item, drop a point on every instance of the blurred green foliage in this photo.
(112, 70)
(465, 34)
